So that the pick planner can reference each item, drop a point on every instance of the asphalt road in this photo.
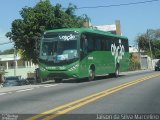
(105, 98)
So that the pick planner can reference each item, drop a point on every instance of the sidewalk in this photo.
(16, 88)
(1, 85)
(133, 72)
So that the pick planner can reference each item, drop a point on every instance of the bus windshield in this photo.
(59, 48)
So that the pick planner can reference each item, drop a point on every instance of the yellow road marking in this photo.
(81, 102)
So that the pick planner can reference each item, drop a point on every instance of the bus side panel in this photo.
(102, 60)
(124, 63)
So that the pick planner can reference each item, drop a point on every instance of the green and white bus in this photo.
(81, 52)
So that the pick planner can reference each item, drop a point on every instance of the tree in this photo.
(26, 32)
(134, 63)
(150, 39)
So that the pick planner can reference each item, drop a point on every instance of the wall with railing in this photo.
(20, 71)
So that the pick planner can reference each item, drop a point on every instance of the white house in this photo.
(15, 66)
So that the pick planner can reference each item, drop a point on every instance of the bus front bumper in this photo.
(49, 75)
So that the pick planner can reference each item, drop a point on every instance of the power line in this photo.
(117, 5)
(5, 43)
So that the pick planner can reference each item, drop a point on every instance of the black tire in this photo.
(116, 74)
(40, 80)
(58, 80)
(91, 75)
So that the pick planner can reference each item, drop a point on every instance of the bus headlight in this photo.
(74, 67)
(42, 69)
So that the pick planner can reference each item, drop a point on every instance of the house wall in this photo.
(16, 66)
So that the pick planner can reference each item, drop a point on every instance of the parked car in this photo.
(31, 80)
(14, 81)
(11, 81)
(24, 82)
(157, 66)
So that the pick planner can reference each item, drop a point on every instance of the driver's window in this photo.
(84, 44)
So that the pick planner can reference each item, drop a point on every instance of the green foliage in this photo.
(26, 32)
(134, 62)
(152, 36)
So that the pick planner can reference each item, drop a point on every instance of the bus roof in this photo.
(90, 30)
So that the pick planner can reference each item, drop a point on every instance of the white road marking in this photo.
(25, 90)
(3, 93)
(50, 85)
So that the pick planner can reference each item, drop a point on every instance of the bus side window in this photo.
(107, 45)
(125, 43)
(90, 43)
(110, 41)
(103, 44)
(98, 44)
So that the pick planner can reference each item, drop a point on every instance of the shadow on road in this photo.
(86, 79)
(99, 78)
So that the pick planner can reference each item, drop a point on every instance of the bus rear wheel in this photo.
(116, 74)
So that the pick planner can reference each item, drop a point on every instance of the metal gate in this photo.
(144, 63)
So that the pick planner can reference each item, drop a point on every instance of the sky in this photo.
(135, 19)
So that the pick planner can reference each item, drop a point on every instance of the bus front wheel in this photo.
(91, 74)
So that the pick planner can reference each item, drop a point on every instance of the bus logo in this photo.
(117, 51)
(67, 37)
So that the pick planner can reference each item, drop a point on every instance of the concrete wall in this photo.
(146, 62)
(20, 71)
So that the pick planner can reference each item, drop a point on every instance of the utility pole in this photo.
(150, 48)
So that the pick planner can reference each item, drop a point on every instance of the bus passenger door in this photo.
(83, 56)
